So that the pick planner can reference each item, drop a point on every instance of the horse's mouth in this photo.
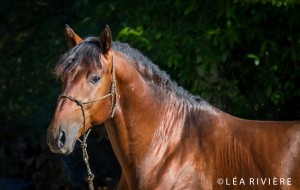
(66, 150)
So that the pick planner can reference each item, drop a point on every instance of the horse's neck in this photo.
(132, 127)
(143, 113)
(147, 120)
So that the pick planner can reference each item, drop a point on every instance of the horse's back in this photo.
(216, 147)
(245, 150)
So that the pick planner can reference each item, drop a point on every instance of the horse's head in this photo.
(87, 75)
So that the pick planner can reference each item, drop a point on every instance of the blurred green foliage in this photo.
(273, 2)
(243, 57)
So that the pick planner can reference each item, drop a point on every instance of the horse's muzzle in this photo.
(59, 142)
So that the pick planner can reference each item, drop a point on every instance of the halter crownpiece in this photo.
(83, 144)
(113, 89)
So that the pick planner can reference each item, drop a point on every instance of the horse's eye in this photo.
(95, 79)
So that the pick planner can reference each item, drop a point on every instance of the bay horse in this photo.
(164, 137)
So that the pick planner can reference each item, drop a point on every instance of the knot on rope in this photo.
(83, 145)
(90, 177)
(79, 103)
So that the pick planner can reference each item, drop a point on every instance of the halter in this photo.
(113, 97)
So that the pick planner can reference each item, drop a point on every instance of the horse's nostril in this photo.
(61, 139)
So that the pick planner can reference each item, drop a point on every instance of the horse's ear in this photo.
(72, 38)
(105, 40)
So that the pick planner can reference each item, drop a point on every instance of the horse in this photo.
(164, 137)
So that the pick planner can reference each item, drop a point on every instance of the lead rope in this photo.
(83, 143)
(90, 176)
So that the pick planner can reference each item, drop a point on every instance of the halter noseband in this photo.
(113, 95)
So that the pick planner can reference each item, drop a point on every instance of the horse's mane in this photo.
(152, 72)
(88, 52)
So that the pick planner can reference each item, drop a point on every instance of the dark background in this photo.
(241, 56)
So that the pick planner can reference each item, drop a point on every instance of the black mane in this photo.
(88, 52)
(152, 71)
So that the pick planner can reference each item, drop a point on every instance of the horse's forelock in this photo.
(85, 54)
